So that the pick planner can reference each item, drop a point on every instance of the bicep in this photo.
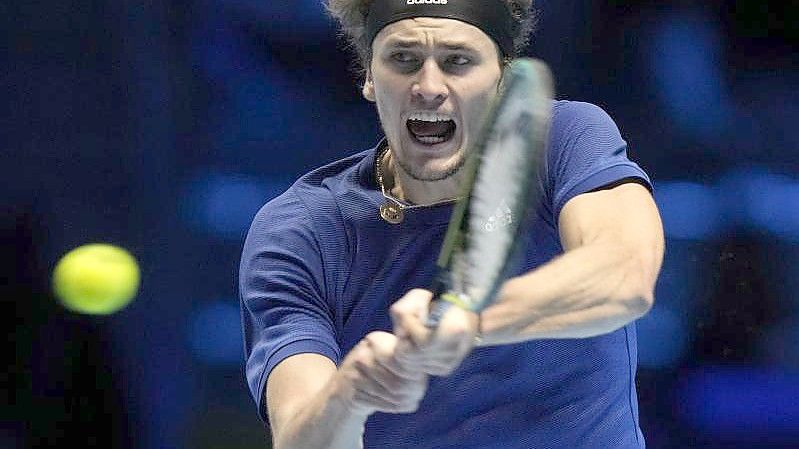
(624, 217)
(293, 383)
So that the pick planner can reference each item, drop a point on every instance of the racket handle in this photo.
(438, 307)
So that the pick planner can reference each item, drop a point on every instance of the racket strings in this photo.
(499, 188)
(503, 183)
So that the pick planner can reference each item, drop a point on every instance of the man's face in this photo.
(432, 80)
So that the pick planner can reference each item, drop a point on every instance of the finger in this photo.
(408, 355)
(454, 334)
(374, 402)
(413, 304)
(381, 389)
(418, 334)
(404, 368)
(384, 347)
(436, 351)
(458, 327)
(441, 369)
(428, 362)
(453, 341)
(379, 381)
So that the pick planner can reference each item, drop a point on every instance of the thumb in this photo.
(406, 352)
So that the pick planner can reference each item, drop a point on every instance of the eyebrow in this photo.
(453, 46)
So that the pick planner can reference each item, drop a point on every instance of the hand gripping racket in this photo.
(500, 186)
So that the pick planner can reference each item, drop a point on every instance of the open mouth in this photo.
(431, 128)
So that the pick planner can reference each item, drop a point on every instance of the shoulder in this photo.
(586, 152)
(317, 190)
(582, 130)
(310, 206)
(572, 108)
(571, 115)
(351, 169)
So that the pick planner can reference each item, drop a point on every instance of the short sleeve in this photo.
(586, 152)
(282, 293)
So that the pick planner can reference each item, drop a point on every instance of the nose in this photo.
(430, 87)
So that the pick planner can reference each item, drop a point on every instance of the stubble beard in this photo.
(420, 174)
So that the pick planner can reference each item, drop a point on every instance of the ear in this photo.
(368, 90)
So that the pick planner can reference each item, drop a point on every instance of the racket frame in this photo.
(455, 239)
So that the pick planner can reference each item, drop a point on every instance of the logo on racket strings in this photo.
(501, 218)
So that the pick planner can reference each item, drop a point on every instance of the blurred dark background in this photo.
(163, 126)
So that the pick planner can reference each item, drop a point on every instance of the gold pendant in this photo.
(392, 212)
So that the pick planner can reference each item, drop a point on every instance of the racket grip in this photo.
(438, 307)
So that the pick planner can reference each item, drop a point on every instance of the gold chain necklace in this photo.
(393, 210)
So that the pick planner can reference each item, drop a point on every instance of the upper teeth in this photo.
(429, 117)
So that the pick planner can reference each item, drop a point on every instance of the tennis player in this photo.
(337, 355)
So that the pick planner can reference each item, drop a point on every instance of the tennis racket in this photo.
(501, 184)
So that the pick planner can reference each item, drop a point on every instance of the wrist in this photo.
(342, 399)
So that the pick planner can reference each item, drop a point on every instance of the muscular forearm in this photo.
(330, 421)
(591, 290)
(316, 405)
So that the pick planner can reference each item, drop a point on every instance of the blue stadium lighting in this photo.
(689, 210)
(664, 334)
(294, 19)
(742, 404)
(735, 189)
(219, 53)
(663, 337)
(758, 199)
(780, 346)
(214, 333)
(224, 205)
(260, 104)
(254, 93)
(686, 60)
(776, 206)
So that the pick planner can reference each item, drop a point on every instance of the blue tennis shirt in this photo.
(320, 269)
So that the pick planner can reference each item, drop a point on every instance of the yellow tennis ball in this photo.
(97, 279)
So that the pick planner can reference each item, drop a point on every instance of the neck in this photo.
(402, 186)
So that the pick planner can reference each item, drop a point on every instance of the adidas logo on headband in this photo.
(427, 2)
(492, 17)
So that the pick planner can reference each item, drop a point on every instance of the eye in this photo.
(458, 60)
(402, 57)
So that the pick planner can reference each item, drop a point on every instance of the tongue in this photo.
(427, 129)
